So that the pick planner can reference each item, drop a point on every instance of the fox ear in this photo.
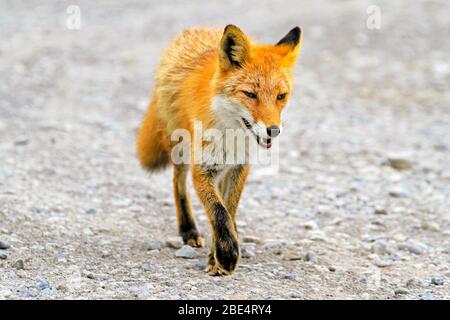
(234, 47)
(292, 38)
(292, 42)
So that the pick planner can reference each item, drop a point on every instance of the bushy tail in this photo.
(150, 143)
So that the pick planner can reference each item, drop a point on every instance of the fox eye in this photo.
(249, 94)
(281, 96)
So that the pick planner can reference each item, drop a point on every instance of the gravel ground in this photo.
(360, 207)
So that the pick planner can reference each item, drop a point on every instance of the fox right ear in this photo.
(234, 47)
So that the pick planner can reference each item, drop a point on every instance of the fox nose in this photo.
(273, 131)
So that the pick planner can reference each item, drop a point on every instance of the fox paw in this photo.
(217, 270)
(226, 256)
(193, 238)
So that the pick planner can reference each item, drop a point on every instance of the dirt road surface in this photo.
(339, 220)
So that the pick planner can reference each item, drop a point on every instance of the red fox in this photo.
(225, 81)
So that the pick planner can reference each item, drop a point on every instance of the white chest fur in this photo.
(228, 142)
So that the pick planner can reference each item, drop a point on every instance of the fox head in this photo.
(254, 81)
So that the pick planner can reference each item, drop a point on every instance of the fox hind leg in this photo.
(187, 226)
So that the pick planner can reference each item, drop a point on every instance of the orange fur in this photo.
(198, 68)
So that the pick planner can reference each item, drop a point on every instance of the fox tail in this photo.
(152, 151)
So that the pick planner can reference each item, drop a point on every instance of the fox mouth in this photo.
(263, 142)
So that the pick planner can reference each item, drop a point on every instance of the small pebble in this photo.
(134, 290)
(426, 296)
(19, 264)
(4, 245)
(148, 266)
(101, 276)
(438, 281)
(49, 292)
(270, 244)
(331, 268)
(392, 257)
(380, 211)
(310, 225)
(382, 263)
(400, 162)
(91, 211)
(42, 284)
(368, 238)
(362, 278)
(413, 248)
(289, 275)
(248, 250)
(106, 253)
(295, 295)
(41, 210)
(251, 239)
(413, 282)
(3, 255)
(397, 192)
(311, 257)
(153, 252)
(21, 142)
(293, 256)
(317, 235)
(431, 226)
(186, 252)
(174, 243)
(153, 245)
(201, 265)
(378, 223)
(62, 288)
(400, 291)
(365, 296)
(379, 247)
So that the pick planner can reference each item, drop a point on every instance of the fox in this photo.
(224, 80)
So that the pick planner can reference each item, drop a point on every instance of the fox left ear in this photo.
(292, 41)
(292, 38)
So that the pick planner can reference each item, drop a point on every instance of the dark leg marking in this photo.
(226, 245)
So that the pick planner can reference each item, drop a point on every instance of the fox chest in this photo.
(222, 153)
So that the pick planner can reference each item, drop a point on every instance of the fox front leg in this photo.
(232, 186)
(225, 247)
